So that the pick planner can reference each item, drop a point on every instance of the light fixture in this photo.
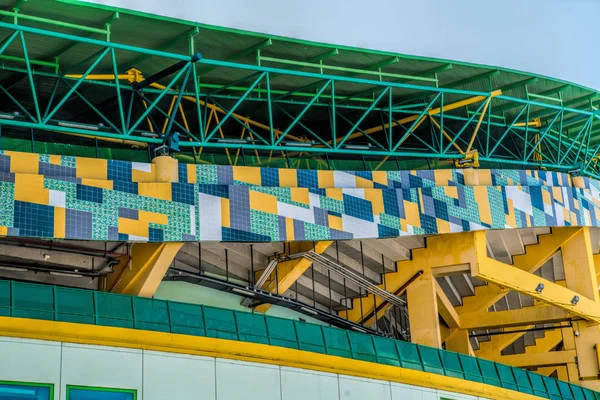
(299, 144)
(309, 311)
(149, 134)
(16, 269)
(539, 287)
(356, 328)
(575, 300)
(78, 125)
(65, 274)
(243, 292)
(232, 141)
(358, 146)
(7, 116)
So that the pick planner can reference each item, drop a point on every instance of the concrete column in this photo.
(167, 169)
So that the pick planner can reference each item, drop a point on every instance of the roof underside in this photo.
(418, 81)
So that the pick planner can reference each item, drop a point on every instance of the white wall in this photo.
(166, 376)
(546, 37)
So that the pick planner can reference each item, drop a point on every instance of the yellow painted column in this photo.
(167, 169)
(580, 276)
(142, 272)
(458, 341)
(423, 312)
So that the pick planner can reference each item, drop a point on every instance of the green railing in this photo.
(54, 303)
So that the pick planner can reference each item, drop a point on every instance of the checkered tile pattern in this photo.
(51, 196)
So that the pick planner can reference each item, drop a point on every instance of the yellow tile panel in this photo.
(300, 195)
(249, 175)
(54, 159)
(160, 190)
(334, 194)
(380, 177)
(102, 184)
(288, 178)
(442, 177)
(336, 223)
(289, 229)
(143, 176)
(451, 191)
(93, 168)
(363, 183)
(411, 210)
(133, 227)
(23, 163)
(263, 202)
(375, 196)
(225, 213)
(30, 188)
(59, 222)
(482, 199)
(325, 179)
(485, 177)
(191, 173)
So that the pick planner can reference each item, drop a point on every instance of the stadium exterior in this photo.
(196, 212)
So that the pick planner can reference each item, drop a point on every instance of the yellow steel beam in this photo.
(524, 316)
(454, 144)
(504, 275)
(141, 272)
(430, 112)
(534, 257)
(497, 343)
(485, 107)
(552, 358)
(288, 272)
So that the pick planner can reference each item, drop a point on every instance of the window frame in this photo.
(49, 386)
(101, 389)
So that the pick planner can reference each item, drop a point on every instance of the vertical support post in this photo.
(423, 311)
(580, 276)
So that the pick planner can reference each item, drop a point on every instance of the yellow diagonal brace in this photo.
(507, 276)
(535, 256)
(485, 107)
(524, 316)
(288, 272)
(142, 272)
(497, 343)
(412, 118)
(445, 308)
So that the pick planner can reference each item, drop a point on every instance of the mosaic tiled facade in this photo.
(51, 196)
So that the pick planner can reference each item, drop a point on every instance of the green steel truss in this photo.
(277, 106)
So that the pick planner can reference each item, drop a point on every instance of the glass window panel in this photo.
(25, 391)
(88, 393)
